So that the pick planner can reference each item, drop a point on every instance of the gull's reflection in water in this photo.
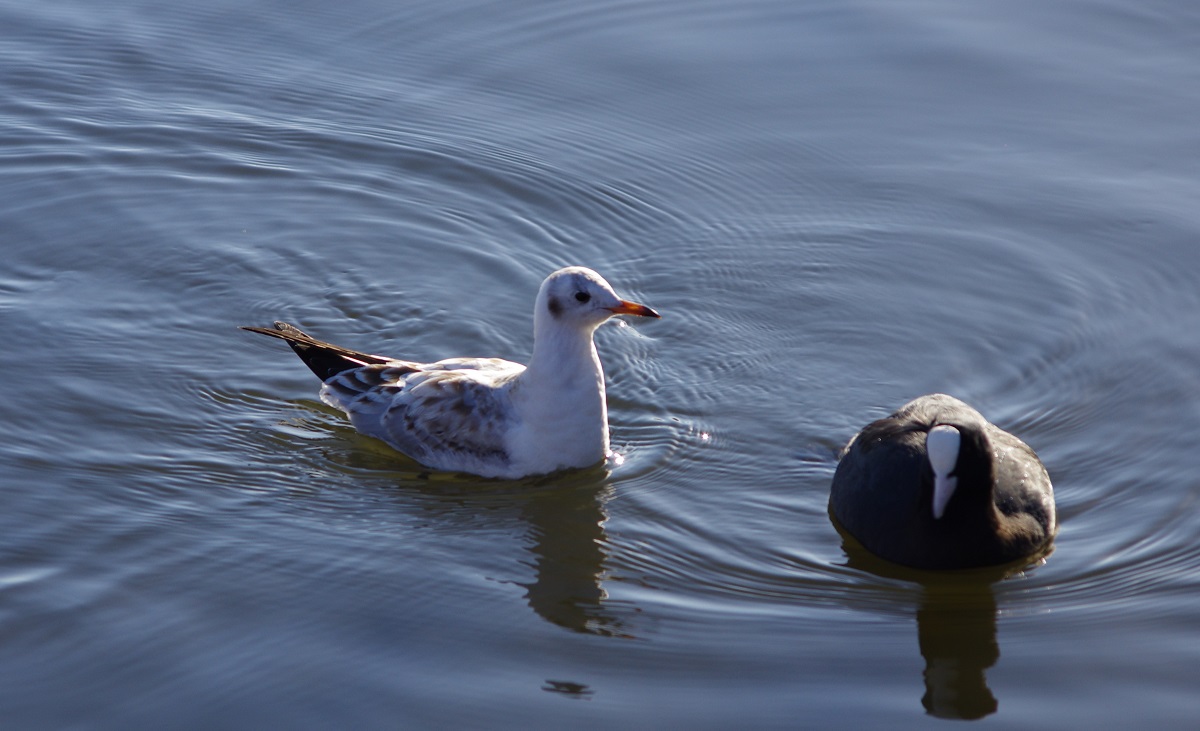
(569, 545)
(563, 541)
(956, 630)
(564, 517)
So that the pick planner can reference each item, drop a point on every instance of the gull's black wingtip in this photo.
(326, 360)
(281, 328)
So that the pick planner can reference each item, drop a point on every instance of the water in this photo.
(836, 206)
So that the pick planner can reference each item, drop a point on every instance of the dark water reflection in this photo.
(956, 614)
(567, 530)
(956, 630)
(560, 522)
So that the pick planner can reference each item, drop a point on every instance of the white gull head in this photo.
(578, 298)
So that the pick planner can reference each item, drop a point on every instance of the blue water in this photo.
(836, 206)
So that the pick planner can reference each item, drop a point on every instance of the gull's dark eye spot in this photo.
(582, 296)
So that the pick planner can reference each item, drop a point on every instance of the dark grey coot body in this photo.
(998, 508)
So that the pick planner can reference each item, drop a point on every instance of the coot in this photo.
(937, 486)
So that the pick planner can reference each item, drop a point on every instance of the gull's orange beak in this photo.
(633, 308)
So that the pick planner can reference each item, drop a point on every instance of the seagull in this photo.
(486, 416)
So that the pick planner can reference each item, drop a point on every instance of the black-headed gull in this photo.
(486, 416)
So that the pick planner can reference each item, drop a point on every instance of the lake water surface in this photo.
(835, 205)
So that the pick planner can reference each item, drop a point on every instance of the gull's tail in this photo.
(322, 358)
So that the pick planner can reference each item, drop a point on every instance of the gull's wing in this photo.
(450, 415)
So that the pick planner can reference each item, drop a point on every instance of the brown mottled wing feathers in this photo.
(441, 414)
(446, 415)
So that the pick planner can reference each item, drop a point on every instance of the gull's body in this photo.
(486, 416)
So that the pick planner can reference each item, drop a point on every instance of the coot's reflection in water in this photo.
(956, 629)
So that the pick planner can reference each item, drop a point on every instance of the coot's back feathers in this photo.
(998, 501)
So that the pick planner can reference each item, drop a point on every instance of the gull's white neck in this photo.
(564, 359)
(561, 398)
